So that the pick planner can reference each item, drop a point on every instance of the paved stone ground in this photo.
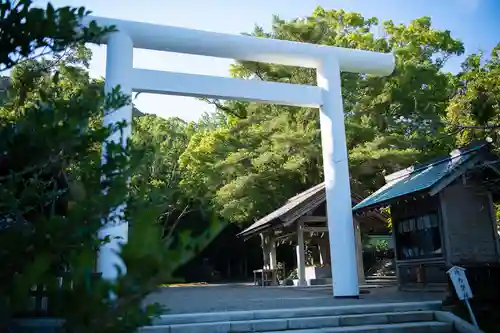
(233, 297)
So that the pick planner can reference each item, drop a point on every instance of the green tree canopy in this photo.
(475, 106)
(263, 154)
(56, 194)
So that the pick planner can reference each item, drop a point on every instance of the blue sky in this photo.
(475, 22)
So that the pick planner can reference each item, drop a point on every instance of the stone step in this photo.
(297, 323)
(421, 327)
(412, 327)
(381, 281)
(382, 277)
(231, 316)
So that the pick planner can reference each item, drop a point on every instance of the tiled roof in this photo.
(420, 178)
(288, 206)
(299, 201)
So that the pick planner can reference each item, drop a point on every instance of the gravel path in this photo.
(234, 297)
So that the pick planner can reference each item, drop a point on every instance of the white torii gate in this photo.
(327, 60)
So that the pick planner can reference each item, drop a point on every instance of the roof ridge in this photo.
(455, 153)
(308, 191)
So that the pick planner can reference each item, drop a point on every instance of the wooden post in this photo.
(359, 252)
(301, 257)
(273, 263)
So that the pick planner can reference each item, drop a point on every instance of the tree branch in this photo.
(177, 220)
(221, 107)
(483, 127)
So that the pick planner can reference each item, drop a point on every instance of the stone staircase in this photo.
(415, 317)
(380, 281)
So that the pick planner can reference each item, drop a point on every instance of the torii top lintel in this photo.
(190, 41)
